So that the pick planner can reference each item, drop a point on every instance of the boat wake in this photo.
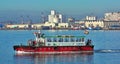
(107, 51)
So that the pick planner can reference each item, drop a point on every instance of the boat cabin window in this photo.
(66, 40)
(77, 40)
(55, 40)
(60, 39)
(72, 39)
(82, 39)
(48, 44)
(48, 40)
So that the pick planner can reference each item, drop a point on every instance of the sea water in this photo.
(106, 50)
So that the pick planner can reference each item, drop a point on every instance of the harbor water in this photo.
(106, 50)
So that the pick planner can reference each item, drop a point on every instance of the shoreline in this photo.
(54, 29)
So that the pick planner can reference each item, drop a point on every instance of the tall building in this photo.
(113, 16)
(60, 17)
(52, 12)
(54, 17)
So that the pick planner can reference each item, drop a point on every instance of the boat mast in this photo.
(39, 38)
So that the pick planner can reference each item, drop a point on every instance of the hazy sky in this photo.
(66, 6)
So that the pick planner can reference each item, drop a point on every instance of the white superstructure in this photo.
(112, 16)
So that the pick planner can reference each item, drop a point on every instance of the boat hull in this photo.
(52, 49)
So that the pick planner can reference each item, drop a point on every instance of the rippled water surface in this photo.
(107, 48)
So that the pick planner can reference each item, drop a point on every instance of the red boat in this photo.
(55, 44)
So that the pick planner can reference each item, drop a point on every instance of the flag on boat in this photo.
(86, 32)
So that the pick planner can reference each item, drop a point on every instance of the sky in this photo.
(68, 7)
